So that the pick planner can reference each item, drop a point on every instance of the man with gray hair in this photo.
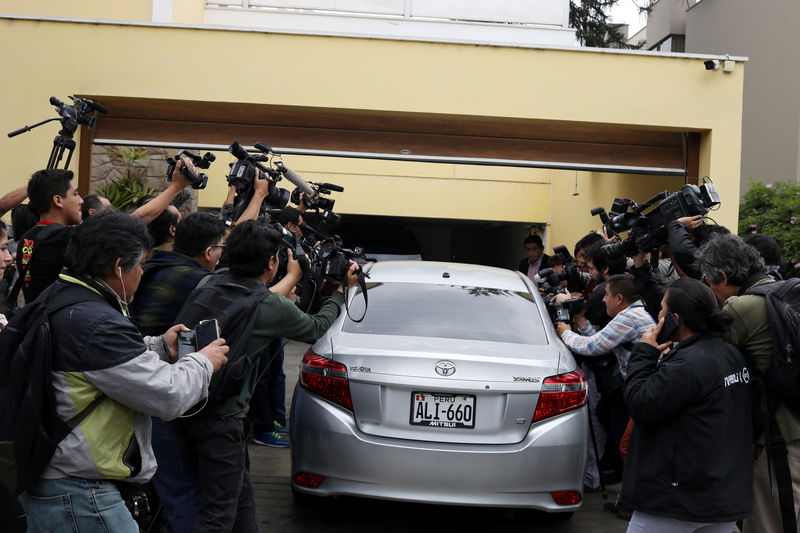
(731, 268)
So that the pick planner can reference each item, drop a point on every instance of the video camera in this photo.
(648, 231)
(198, 179)
(242, 174)
(82, 112)
(550, 282)
(315, 201)
(324, 261)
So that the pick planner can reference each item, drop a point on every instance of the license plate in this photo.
(443, 410)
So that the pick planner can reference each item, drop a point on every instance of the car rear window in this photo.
(449, 311)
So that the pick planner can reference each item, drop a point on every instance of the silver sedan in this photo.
(453, 389)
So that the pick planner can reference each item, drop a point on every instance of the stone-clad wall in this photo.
(107, 167)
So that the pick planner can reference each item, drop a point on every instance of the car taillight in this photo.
(566, 497)
(308, 481)
(560, 394)
(326, 378)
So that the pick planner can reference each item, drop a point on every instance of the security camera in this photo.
(711, 64)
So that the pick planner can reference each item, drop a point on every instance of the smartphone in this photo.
(206, 332)
(668, 329)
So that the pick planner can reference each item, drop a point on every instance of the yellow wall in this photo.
(331, 72)
(131, 10)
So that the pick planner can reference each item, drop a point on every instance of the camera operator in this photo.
(291, 219)
(215, 437)
(686, 235)
(100, 359)
(267, 406)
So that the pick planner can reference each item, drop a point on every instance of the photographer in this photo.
(101, 359)
(689, 456)
(629, 322)
(581, 258)
(215, 437)
(601, 267)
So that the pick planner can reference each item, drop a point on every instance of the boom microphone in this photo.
(332, 187)
(97, 106)
(297, 180)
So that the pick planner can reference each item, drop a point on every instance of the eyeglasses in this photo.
(218, 246)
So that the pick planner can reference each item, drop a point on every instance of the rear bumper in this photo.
(327, 442)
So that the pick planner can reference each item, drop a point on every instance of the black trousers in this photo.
(227, 499)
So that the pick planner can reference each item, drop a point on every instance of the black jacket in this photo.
(690, 455)
(683, 248)
(523, 265)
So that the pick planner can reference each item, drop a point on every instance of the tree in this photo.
(592, 27)
(773, 209)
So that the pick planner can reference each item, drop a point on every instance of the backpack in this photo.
(234, 307)
(30, 429)
(782, 380)
(781, 383)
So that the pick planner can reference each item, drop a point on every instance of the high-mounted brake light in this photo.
(326, 378)
(561, 393)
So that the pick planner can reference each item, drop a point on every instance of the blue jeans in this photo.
(76, 505)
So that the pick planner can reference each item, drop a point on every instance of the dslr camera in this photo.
(242, 174)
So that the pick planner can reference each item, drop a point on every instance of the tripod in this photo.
(71, 116)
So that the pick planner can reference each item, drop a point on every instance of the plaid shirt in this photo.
(618, 336)
(167, 282)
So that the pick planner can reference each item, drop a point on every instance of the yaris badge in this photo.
(445, 368)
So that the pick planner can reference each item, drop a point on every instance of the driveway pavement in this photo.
(279, 512)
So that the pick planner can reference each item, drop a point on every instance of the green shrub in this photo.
(773, 209)
(125, 192)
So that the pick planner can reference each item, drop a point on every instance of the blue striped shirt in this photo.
(624, 329)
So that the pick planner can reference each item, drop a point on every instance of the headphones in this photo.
(119, 269)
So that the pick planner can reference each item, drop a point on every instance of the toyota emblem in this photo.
(445, 368)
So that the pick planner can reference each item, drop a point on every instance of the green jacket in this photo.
(754, 340)
(277, 318)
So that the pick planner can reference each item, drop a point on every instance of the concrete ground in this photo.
(279, 512)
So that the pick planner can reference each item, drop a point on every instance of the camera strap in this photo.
(362, 282)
